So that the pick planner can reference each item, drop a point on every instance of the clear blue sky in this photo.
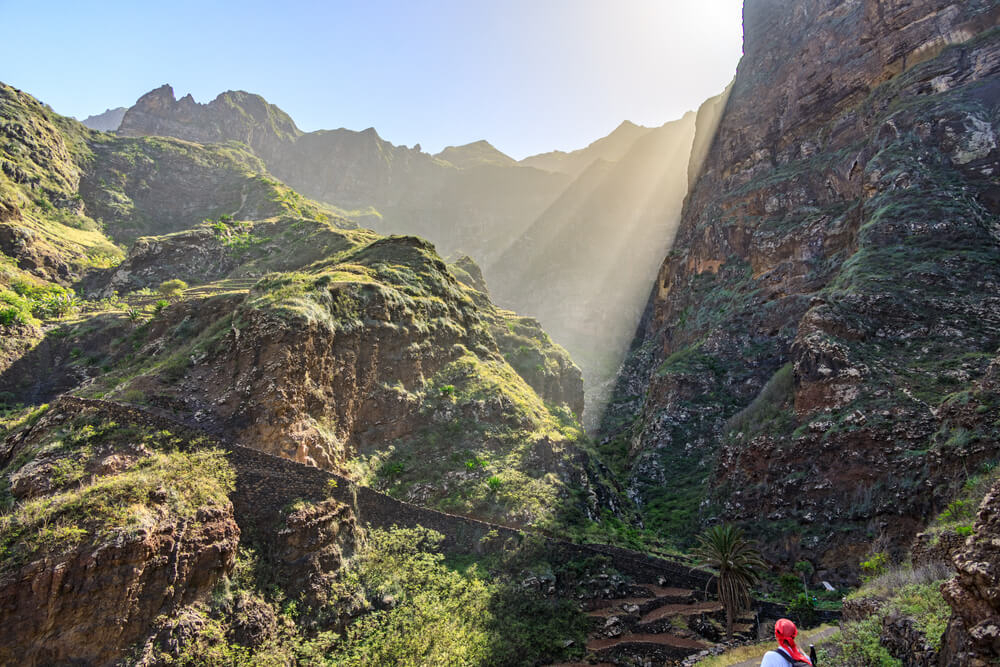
(527, 75)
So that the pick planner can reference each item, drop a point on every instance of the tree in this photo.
(172, 289)
(806, 569)
(737, 565)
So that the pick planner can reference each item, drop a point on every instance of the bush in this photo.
(14, 309)
(897, 578)
(875, 566)
(927, 607)
(861, 645)
(172, 289)
(803, 609)
(440, 617)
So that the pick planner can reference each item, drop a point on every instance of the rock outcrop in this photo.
(831, 287)
(57, 610)
(973, 636)
(110, 528)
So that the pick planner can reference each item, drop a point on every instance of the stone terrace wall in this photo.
(267, 484)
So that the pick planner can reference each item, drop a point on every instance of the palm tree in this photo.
(737, 563)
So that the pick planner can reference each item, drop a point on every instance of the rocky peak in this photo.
(477, 153)
(232, 115)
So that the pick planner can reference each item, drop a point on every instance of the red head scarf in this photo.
(784, 632)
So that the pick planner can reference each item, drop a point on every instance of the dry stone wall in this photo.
(267, 485)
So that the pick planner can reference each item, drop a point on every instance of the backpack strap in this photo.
(791, 661)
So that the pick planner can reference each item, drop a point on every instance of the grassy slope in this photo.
(317, 270)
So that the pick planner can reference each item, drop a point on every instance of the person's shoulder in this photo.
(773, 659)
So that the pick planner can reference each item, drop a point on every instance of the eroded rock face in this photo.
(94, 586)
(32, 253)
(196, 257)
(833, 282)
(973, 637)
(60, 610)
(315, 543)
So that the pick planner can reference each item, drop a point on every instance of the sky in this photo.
(528, 76)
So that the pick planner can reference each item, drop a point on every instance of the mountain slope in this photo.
(831, 287)
(109, 121)
(476, 153)
(610, 148)
(579, 221)
(390, 350)
(468, 207)
(133, 528)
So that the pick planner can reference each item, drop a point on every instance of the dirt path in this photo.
(815, 639)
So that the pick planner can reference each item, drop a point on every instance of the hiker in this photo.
(788, 653)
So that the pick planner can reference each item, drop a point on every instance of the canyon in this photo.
(278, 393)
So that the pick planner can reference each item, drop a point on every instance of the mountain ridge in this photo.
(469, 200)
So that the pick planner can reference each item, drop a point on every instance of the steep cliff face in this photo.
(104, 521)
(832, 284)
(973, 636)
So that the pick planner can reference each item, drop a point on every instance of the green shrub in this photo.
(15, 309)
(876, 565)
(791, 585)
(803, 609)
(861, 645)
(927, 607)
(441, 617)
(172, 289)
(958, 510)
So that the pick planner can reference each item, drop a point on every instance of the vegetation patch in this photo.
(84, 502)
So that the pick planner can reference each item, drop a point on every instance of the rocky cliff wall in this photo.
(831, 285)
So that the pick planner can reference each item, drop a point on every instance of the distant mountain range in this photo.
(107, 121)
(593, 224)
